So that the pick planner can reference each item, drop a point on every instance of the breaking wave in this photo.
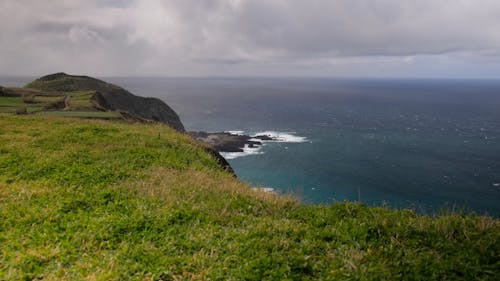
(282, 137)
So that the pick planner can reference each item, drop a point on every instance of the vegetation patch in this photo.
(109, 200)
(80, 104)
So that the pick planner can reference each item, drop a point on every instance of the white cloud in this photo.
(246, 37)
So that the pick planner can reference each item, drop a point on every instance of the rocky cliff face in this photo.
(114, 97)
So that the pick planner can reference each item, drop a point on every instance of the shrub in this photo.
(21, 110)
(28, 98)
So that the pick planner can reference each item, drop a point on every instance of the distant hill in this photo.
(111, 97)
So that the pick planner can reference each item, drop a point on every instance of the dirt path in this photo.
(66, 102)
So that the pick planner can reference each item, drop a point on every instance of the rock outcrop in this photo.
(227, 142)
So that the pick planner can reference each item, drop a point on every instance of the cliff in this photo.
(110, 97)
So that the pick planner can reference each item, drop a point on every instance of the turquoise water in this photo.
(422, 144)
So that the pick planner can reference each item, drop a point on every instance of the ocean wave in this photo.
(265, 189)
(282, 136)
(235, 132)
(247, 151)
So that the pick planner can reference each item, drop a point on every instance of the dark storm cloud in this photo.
(254, 37)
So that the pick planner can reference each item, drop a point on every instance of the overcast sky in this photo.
(335, 38)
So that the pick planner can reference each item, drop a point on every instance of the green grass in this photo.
(67, 83)
(16, 91)
(82, 114)
(9, 104)
(47, 99)
(103, 200)
(79, 103)
(81, 100)
(10, 101)
(80, 94)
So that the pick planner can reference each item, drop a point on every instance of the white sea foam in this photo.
(285, 137)
(282, 136)
(236, 132)
(265, 189)
(246, 152)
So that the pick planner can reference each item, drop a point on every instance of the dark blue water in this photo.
(423, 144)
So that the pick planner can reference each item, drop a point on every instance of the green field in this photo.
(81, 114)
(47, 99)
(108, 200)
(9, 105)
(10, 101)
(80, 100)
(68, 104)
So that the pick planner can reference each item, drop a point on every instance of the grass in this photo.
(41, 103)
(10, 101)
(30, 109)
(47, 99)
(67, 83)
(81, 114)
(81, 100)
(16, 91)
(103, 200)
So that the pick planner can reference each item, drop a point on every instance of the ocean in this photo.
(429, 145)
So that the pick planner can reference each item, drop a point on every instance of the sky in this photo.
(324, 38)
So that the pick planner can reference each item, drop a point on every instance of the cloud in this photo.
(246, 37)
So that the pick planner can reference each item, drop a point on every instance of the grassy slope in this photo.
(79, 103)
(114, 97)
(102, 200)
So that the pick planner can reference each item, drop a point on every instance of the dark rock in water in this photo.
(264, 137)
(111, 97)
(227, 142)
(223, 142)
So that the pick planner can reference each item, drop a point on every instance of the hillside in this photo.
(88, 199)
(110, 97)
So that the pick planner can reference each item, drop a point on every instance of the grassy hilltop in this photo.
(60, 94)
(108, 200)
